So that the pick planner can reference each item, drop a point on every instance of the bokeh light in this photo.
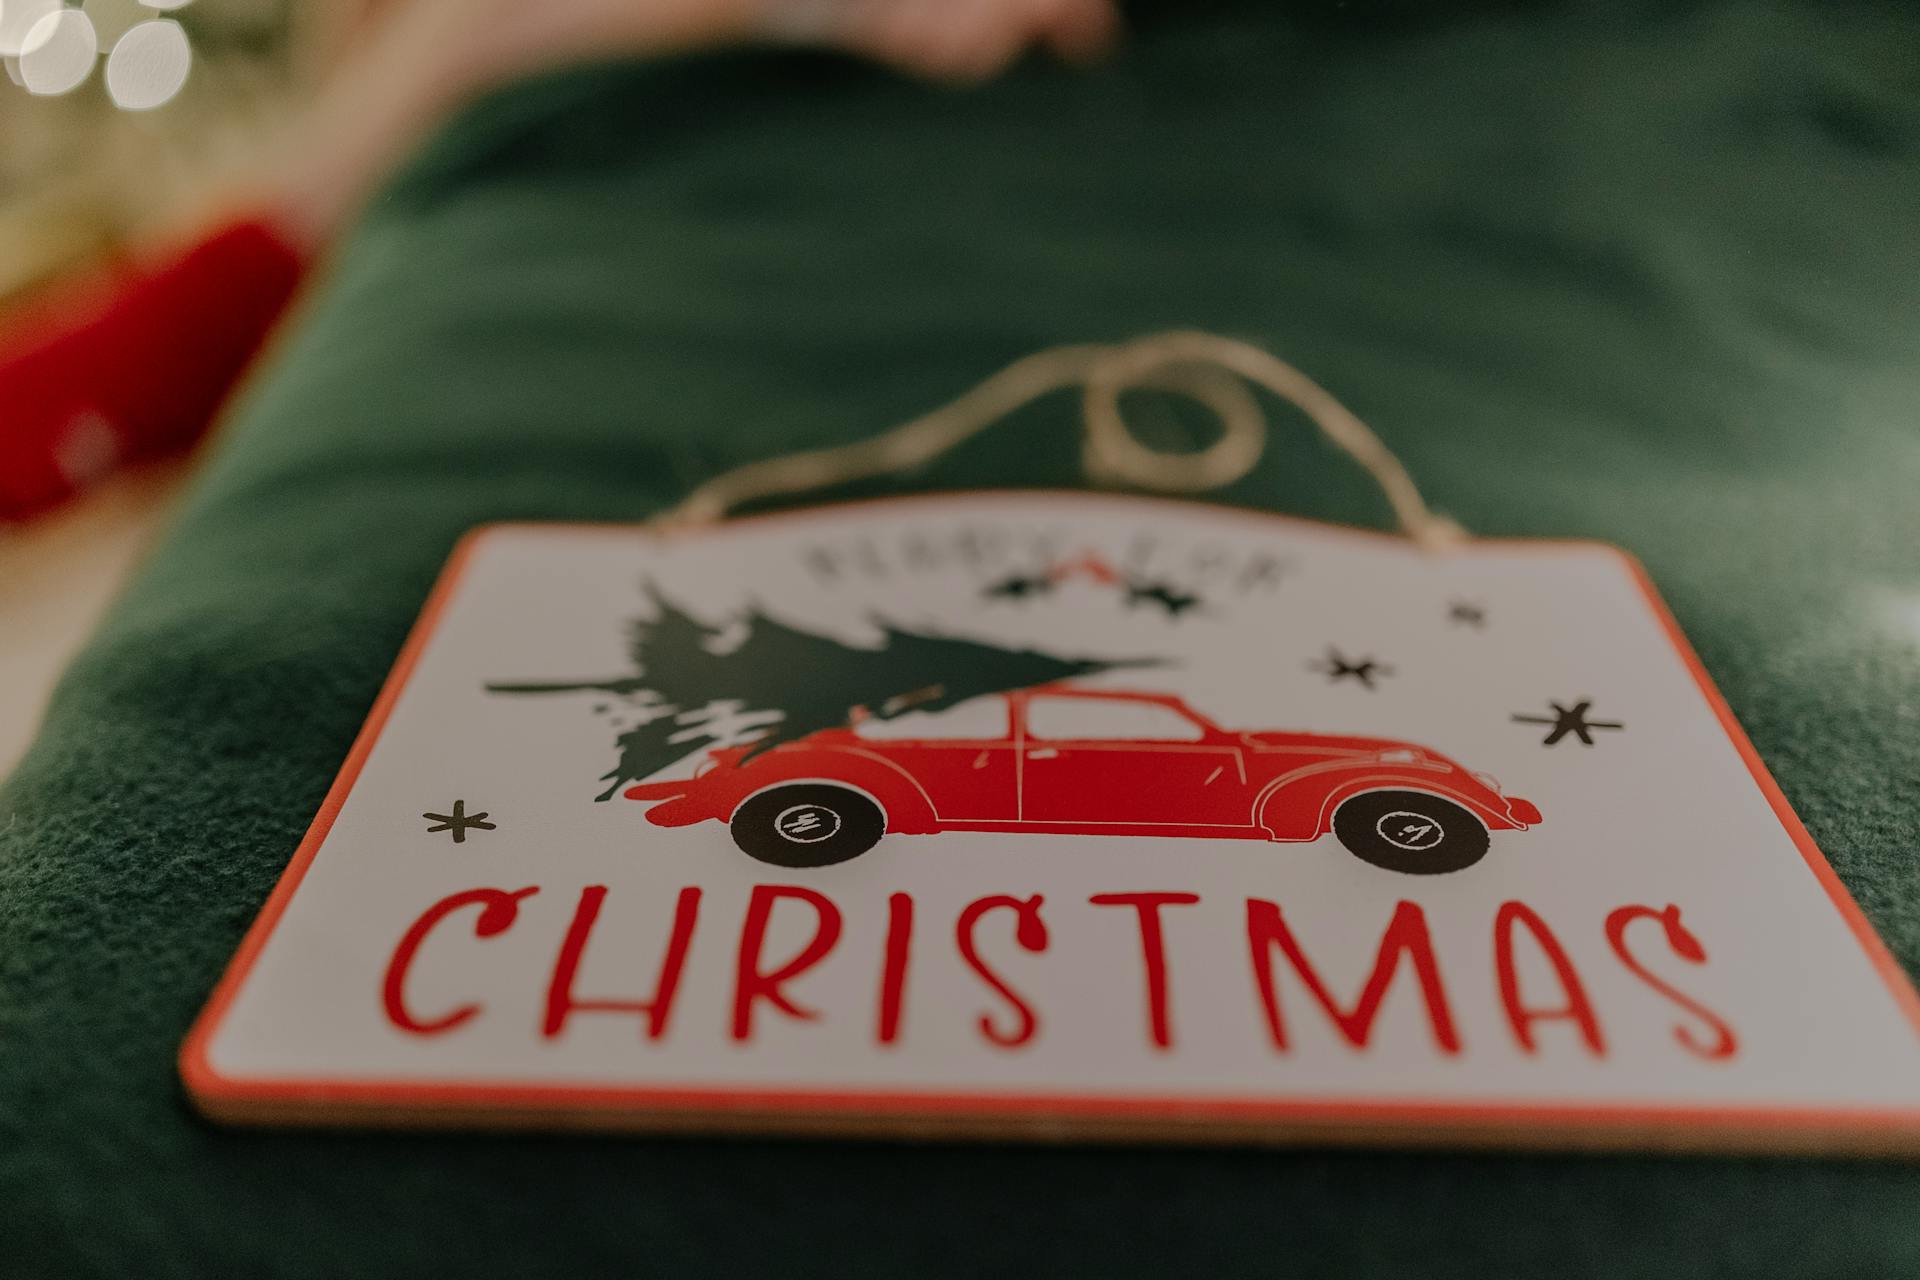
(148, 65)
(58, 53)
(49, 47)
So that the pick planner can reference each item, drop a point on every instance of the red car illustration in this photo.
(1064, 760)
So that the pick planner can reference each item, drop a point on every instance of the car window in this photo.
(972, 720)
(1064, 719)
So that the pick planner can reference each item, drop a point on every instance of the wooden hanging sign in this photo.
(1057, 815)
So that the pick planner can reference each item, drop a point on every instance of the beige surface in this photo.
(57, 575)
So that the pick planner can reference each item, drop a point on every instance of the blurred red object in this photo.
(117, 366)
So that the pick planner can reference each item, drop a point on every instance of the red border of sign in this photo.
(935, 1114)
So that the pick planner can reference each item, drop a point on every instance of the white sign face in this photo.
(1060, 813)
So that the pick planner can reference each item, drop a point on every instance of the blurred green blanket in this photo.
(1644, 274)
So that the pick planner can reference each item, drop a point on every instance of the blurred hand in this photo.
(475, 42)
(957, 40)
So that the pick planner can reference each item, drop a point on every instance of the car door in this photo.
(1096, 761)
(962, 756)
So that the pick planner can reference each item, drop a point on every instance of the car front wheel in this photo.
(807, 824)
(1410, 832)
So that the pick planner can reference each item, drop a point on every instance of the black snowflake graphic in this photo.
(1019, 587)
(459, 822)
(1467, 614)
(1172, 599)
(1569, 720)
(1338, 667)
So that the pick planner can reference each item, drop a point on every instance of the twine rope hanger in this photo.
(1211, 370)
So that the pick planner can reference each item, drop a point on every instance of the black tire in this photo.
(807, 824)
(1410, 832)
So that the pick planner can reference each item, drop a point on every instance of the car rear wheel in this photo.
(807, 824)
(1411, 832)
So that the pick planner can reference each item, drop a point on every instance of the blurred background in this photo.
(119, 116)
(120, 120)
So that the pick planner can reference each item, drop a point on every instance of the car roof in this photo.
(1115, 695)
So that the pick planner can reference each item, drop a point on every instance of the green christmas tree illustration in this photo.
(695, 687)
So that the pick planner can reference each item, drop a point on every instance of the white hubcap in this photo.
(807, 823)
(1414, 832)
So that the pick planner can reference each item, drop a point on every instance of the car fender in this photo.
(908, 808)
(1300, 806)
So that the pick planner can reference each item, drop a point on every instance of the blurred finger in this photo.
(1079, 31)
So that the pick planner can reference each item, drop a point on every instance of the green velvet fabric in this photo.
(1644, 274)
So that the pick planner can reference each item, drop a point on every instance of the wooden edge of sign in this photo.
(1599, 1133)
(1703, 1129)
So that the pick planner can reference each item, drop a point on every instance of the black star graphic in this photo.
(1569, 720)
(1173, 600)
(1339, 668)
(1019, 587)
(458, 822)
(1468, 613)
